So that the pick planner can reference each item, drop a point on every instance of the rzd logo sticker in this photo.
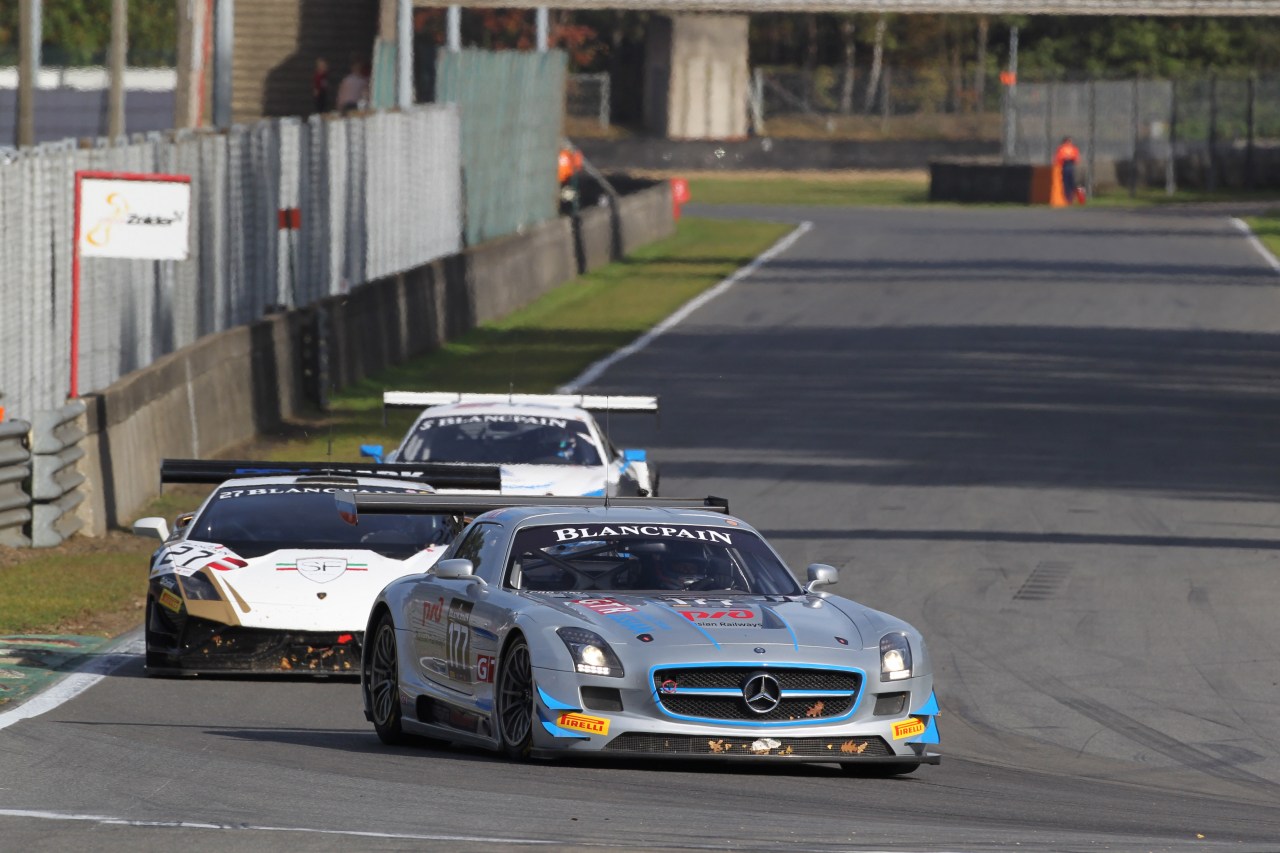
(908, 728)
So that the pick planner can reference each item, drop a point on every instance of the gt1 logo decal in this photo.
(908, 728)
(484, 669)
(605, 606)
(568, 534)
(584, 723)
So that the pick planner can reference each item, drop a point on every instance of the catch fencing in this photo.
(1206, 133)
(512, 106)
(376, 195)
(589, 96)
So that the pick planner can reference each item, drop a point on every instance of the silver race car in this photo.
(547, 444)
(655, 628)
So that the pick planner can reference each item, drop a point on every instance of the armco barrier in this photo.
(225, 389)
(15, 468)
(55, 474)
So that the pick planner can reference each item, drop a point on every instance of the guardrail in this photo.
(55, 474)
(15, 468)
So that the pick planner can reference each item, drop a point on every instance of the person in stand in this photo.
(1066, 159)
(353, 91)
(320, 86)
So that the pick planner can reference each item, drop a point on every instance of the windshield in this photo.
(626, 557)
(257, 521)
(501, 439)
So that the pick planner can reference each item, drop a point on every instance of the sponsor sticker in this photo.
(908, 728)
(170, 601)
(605, 606)
(583, 723)
(484, 669)
(701, 534)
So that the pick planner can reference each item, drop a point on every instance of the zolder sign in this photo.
(143, 217)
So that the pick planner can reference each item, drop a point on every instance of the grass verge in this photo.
(896, 189)
(97, 585)
(1268, 230)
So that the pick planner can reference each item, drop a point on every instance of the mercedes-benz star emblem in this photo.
(761, 692)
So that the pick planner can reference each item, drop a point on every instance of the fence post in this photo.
(606, 97)
(1051, 91)
(1133, 144)
(1171, 163)
(1250, 178)
(885, 106)
(1090, 184)
(1213, 133)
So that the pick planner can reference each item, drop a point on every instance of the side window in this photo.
(483, 545)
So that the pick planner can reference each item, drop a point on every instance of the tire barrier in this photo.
(55, 474)
(15, 469)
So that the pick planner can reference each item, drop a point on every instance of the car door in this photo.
(454, 638)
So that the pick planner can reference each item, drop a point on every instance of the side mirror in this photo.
(820, 574)
(635, 455)
(457, 569)
(373, 451)
(156, 528)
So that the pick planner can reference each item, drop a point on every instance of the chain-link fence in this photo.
(588, 96)
(376, 194)
(1207, 133)
(512, 106)
(74, 102)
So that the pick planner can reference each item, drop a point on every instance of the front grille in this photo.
(826, 749)
(733, 708)
(676, 689)
(725, 677)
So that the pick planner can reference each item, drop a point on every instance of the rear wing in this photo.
(438, 475)
(350, 504)
(590, 402)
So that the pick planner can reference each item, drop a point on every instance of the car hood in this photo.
(559, 480)
(738, 620)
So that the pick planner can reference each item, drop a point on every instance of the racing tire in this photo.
(155, 662)
(381, 683)
(514, 706)
(878, 771)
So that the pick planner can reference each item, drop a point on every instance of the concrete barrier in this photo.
(225, 389)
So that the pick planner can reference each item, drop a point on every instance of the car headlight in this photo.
(590, 653)
(199, 588)
(895, 657)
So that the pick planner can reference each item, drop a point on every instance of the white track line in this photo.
(85, 676)
(190, 824)
(1243, 228)
(595, 371)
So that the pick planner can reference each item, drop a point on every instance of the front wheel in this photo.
(515, 700)
(381, 683)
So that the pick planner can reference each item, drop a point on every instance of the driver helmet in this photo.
(684, 568)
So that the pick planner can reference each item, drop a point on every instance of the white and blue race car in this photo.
(545, 444)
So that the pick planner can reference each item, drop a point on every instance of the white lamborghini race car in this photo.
(546, 444)
(265, 577)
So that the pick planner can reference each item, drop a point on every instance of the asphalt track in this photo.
(1049, 439)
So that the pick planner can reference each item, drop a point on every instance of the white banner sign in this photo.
(144, 217)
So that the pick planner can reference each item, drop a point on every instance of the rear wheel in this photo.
(381, 683)
(515, 700)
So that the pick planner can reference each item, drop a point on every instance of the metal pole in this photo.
(1249, 176)
(1133, 145)
(1093, 138)
(544, 28)
(1213, 133)
(404, 53)
(1171, 165)
(1011, 98)
(119, 56)
(223, 50)
(29, 37)
(1049, 147)
(453, 26)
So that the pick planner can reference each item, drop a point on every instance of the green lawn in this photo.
(98, 585)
